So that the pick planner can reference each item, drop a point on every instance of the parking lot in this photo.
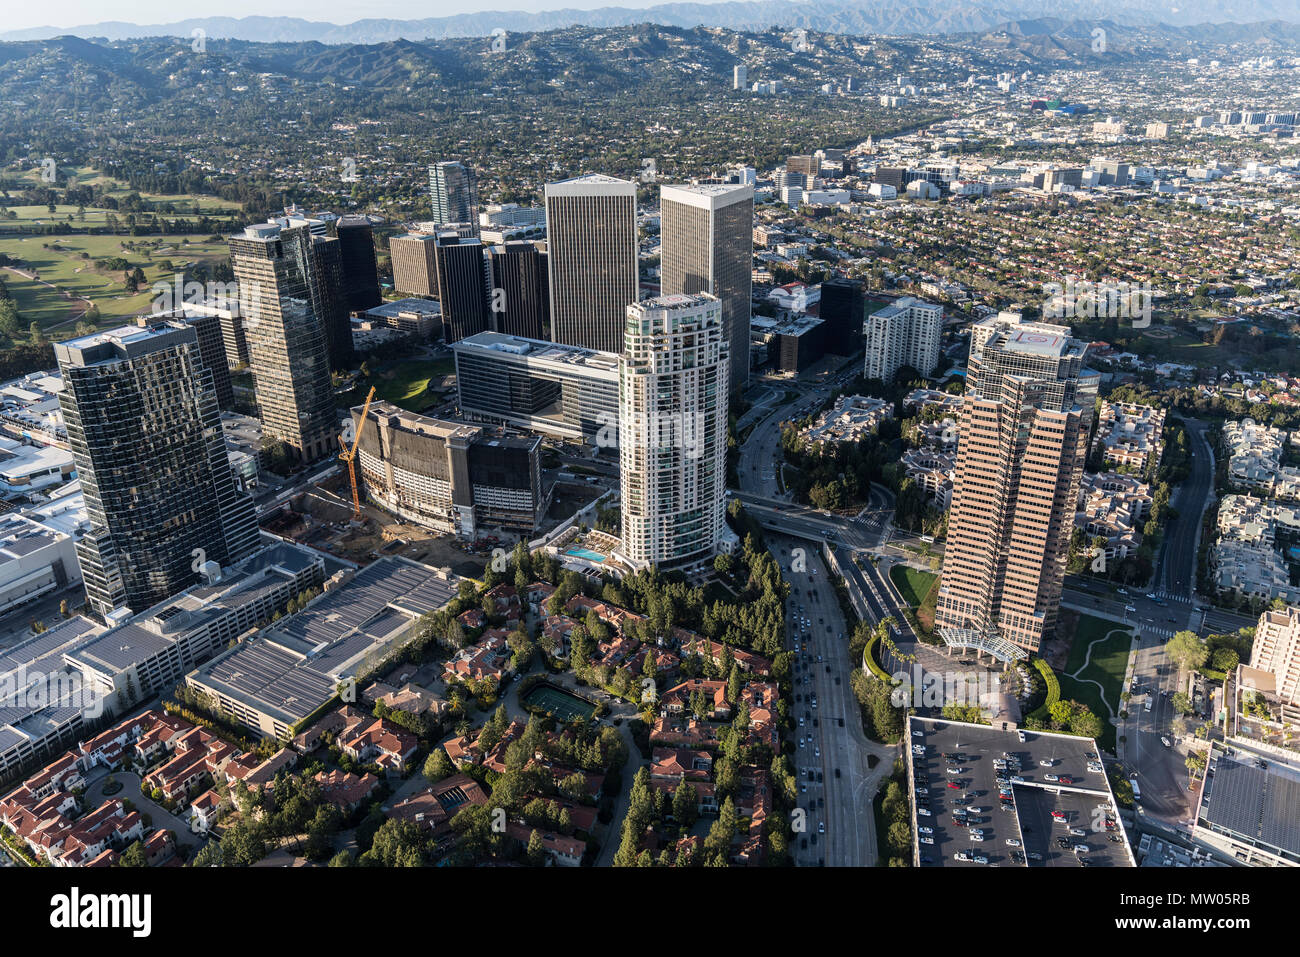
(984, 796)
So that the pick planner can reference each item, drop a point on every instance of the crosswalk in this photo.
(1155, 631)
(1166, 596)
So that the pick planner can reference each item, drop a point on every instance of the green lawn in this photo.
(913, 584)
(58, 260)
(407, 383)
(1107, 666)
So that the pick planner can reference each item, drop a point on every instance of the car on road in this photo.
(926, 840)
(955, 785)
(1051, 777)
(1165, 741)
(837, 772)
(1066, 779)
(925, 830)
(1080, 848)
(1012, 842)
(975, 836)
(1078, 832)
(923, 811)
(976, 810)
(955, 770)
(1017, 779)
(821, 827)
(1060, 816)
(1130, 608)
(1035, 856)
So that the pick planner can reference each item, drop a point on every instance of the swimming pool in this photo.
(586, 553)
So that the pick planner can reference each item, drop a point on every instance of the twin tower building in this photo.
(682, 354)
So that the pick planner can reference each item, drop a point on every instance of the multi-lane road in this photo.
(833, 756)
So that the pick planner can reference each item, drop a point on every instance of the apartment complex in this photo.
(566, 391)
(706, 242)
(1129, 435)
(287, 342)
(142, 419)
(906, 333)
(1277, 651)
(450, 476)
(1023, 441)
(673, 430)
(592, 261)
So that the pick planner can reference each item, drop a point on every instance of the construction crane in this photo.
(349, 455)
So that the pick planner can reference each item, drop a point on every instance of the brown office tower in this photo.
(592, 254)
(1022, 444)
(414, 272)
(706, 235)
(287, 342)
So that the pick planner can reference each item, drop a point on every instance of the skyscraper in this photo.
(145, 431)
(592, 253)
(518, 292)
(360, 271)
(739, 76)
(327, 299)
(453, 190)
(842, 310)
(673, 430)
(707, 246)
(1023, 440)
(459, 269)
(287, 343)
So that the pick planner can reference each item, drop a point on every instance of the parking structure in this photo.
(1004, 797)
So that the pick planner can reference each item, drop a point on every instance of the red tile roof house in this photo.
(159, 847)
(486, 660)
(259, 776)
(197, 755)
(507, 601)
(706, 794)
(560, 850)
(594, 782)
(682, 731)
(611, 615)
(435, 806)
(713, 650)
(537, 595)
(495, 760)
(667, 664)
(344, 790)
(461, 750)
(63, 842)
(472, 618)
(61, 775)
(676, 764)
(677, 699)
(560, 627)
(334, 722)
(761, 697)
(204, 811)
(376, 741)
(109, 747)
(581, 816)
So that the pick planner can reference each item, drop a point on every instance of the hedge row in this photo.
(1043, 711)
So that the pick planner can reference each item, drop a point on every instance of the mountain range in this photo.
(856, 17)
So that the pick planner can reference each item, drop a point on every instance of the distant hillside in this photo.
(857, 17)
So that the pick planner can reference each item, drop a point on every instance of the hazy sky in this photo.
(73, 13)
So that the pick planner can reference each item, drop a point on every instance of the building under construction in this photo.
(450, 476)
